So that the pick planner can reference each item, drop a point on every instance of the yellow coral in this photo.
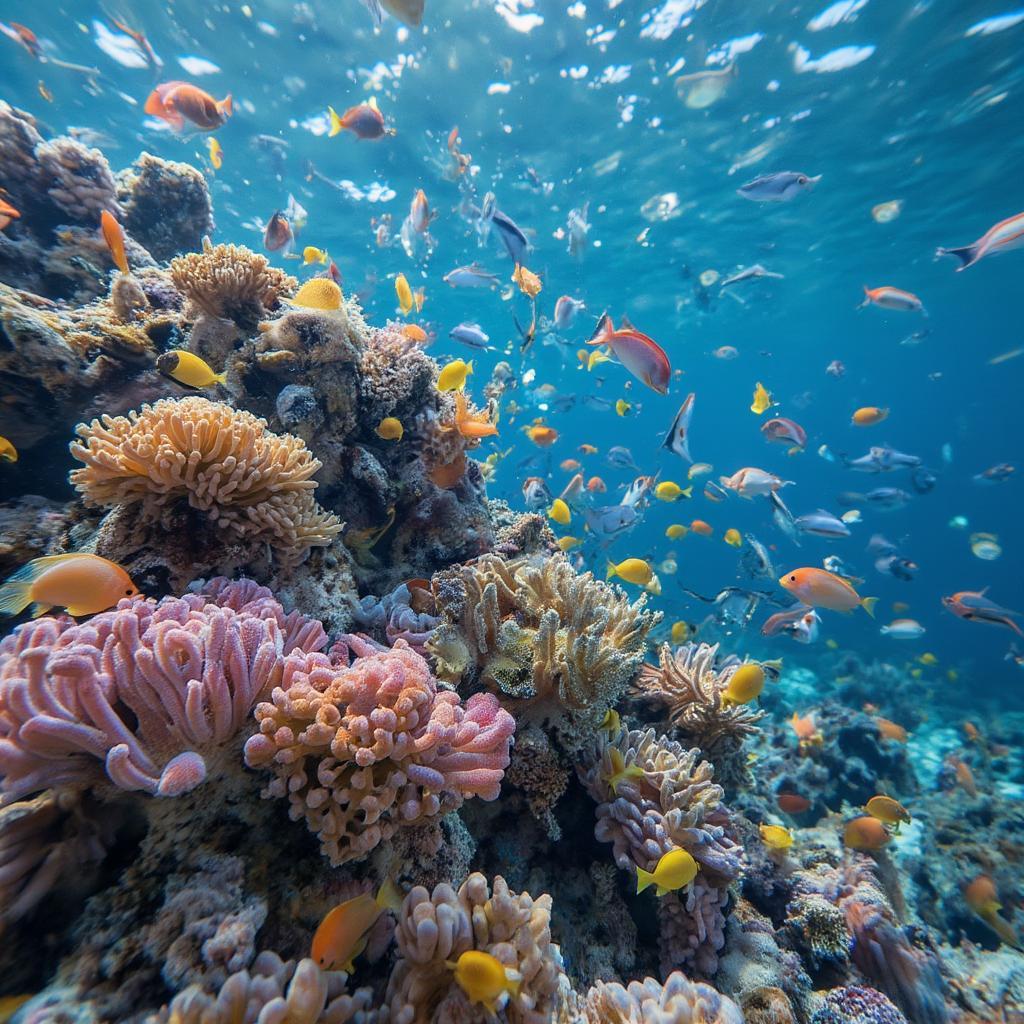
(224, 462)
(231, 282)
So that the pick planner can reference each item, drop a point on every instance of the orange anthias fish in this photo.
(981, 896)
(178, 102)
(641, 355)
(819, 588)
(964, 777)
(7, 214)
(541, 435)
(471, 424)
(81, 584)
(342, 934)
(892, 298)
(867, 834)
(113, 235)
(364, 121)
(890, 730)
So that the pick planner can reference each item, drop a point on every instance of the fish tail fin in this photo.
(220, 378)
(868, 604)
(966, 254)
(226, 106)
(611, 570)
(644, 879)
(1014, 626)
(867, 297)
(155, 105)
(39, 608)
(336, 123)
(389, 896)
(14, 596)
(603, 328)
(688, 492)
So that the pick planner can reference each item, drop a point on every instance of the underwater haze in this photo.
(696, 251)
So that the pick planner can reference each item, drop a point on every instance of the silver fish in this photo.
(511, 235)
(638, 491)
(678, 438)
(881, 459)
(469, 334)
(821, 524)
(783, 518)
(577, 228)
(621, 458)
(610, 521)
(749, 273)
(755, 561)
(780, 187)
(566, 309)
(472, 276)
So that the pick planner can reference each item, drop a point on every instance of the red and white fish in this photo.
(1002, 237)
(892, 298)
(784, 431)
(750, 482)
(641, 355)
(974, 606)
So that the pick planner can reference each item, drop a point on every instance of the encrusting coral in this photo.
(139, 696)
(251, 484)
(361, 750)
(436, 928)
(677, 1001)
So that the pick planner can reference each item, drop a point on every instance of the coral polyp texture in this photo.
(436, 928)
(676, 1001)
(142, 695)
(250, 483)
(361, 750)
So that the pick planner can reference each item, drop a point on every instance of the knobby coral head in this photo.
(363, 749)
(144, 692)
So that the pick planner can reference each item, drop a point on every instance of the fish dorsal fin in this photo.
(34, 569)
(373, 104)
(625, 324)
(604, 327)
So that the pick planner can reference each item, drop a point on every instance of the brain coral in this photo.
(363, 749)
(677, 1001)
(253, 484)
(438, 927)
(140, 695)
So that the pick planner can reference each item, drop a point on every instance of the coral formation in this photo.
(677, 1001)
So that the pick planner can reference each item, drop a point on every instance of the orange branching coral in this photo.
(251, 483)
(230, 282)
(435, 929)
(690, 682)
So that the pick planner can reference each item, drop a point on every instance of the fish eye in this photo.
(129, 592)
(792, 579)
(802, 180)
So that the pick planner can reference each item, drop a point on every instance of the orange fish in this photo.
(866, 834)
(587, 449)
(178, 102)
(890, 730)
(972, 732)
(81, 584)
(596, 485)
(469, 424)
(448, 475)
(364, 121)
(278, 233)
(792, 803)
(981, 896)
(7, 214)
(342, 934)
(869, 415)
(701, 528)
(113, 235)
(820, 588)
(892, 298)
(569, 465)
(965, 777)
(541, 435)
(805, 727)
(414, 333)
(641, 355)
(26, 37)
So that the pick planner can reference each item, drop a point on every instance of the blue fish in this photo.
(778, 188)
(609, 521)
(469, 334)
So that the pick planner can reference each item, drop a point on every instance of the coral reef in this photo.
(677, 1001)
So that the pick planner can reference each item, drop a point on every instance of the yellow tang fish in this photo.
(311, 254)
(404, 293)
(674, 870)
(762, 400)
(187, 368)
(453, 376)
(484, 978)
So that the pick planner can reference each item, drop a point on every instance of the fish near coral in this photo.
(342, 934)
(471, 424)
(620, 771)
(866, 834)
(559, 512)
(364, 121)
(745, 684)
(540, 434)
(277, 235)
(453, 375)
(632, 570)
(178, 102)
(311, 254)
(319, 293)
(390, 429)
(8, 453)
(188, 369)
(7, 214)
(81, 584)
(113, 235)
(981, 896)
(890, 730)
(792, 803)
(484, 978)
(776, 837)
(887, 810)
(675, 869)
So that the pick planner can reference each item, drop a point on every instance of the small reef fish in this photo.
(8, 214)
(868, 416)
(311, 254)
(1002, 237)
(762, 400)
(641, 355)
(733, 537)
(780, 187)
(187, 368)
(806, 730)
(701, 528)
(81, 584)
(541, 434)
(866, 834)
(453, 375)
(529, 283)
(669, 490)
(559, 512)
(750, 482)
(277, 235)
(887, 810)
(781, 430)
(216, 151)
(596, 485)
(620, 771)
(536, 493)
(611, 724)
(889, 730)
(621, 458)
(512, 236)
(995, 474)
(637, 494)
(471, 276)
(745, 684)
(390, 429)
(903, 629)
(609, 521)
(484, 978)
(364, 121)
(318, 293)
(8, 453)
(622, 407)
(472, 424)
(821, 524)
(835, 368)
(974, 606)
(792, 803)
(677, 439)
(415, 333)
(342, 934)
(726, 353)
(675, 531)
(632, 570)
(776, 837)
(681, 632)
(178, 102)
(566, 310)
(471, 335)
(675, 869)
(748, 274)
(568, 543)
(113, 235)
(981, 896)
(577, 229)
(888, 297)
(819, 588)
(404, 294)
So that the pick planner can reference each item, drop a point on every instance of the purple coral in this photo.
(144, 691)
(393, 616)
(854, 1004)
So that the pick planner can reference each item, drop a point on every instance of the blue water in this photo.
(583, 108)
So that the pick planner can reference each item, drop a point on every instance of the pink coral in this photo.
(362, 749)
(143, 691)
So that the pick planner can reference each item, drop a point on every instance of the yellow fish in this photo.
(928, 659)
(675, 531)
(559, 512)
(484, 978)
(621, 772)
(775, 837)
(187, 368)
(680, 631)
(366, 538)
(318, 293)
(453, 376)
(567, 543)
(596, 357)
(80, 584)
(528, 281)
(668, 490)
(341, 936)
(632, 570)
(216, 153)
(733, 537)
(745, 684)
(8, 453)
(611, 723)
(404, 293)
(622, 407)
(887, 810)
(762, 400)
(311, 254)
(674, 870)
(390, 429)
